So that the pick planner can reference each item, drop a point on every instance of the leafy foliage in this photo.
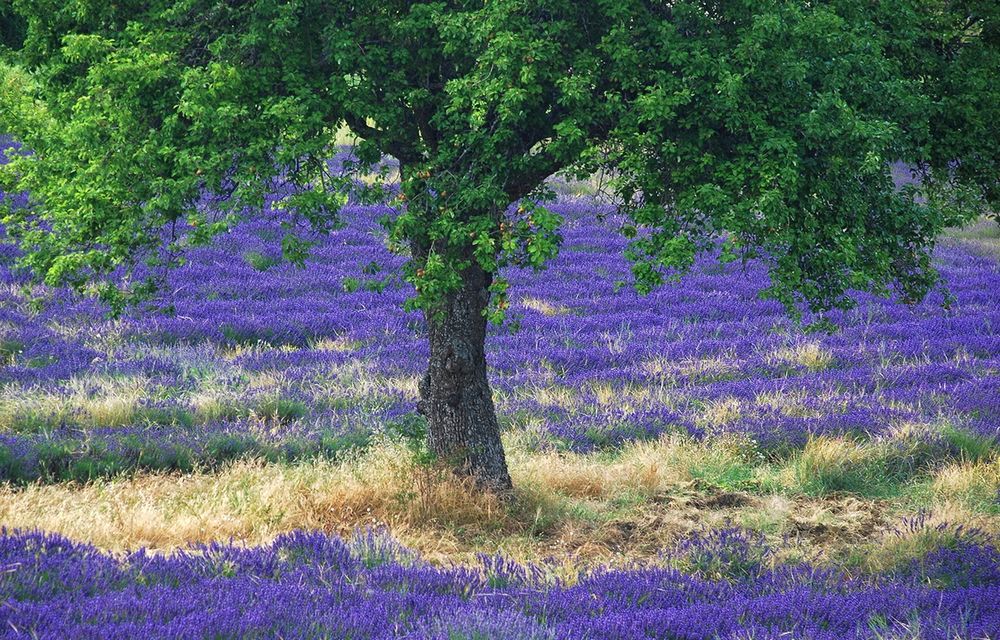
(770, 124)
(12, 27)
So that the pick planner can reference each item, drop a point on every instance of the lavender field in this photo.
(690, 464)
(246, 354)
(313, 586)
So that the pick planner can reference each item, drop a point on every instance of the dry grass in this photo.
(544, 307)
(792, 403)
(702, 369)
(721, 412)
(836, 464)
(361, 381)
(625, 399)
(650, 468)
(583, 509)
(981, 236)
(554, 396)
(89, 402)
(570, 505)
(215, 404)
(810, 355)
(968, 483)
(339, 344)
(249, 501)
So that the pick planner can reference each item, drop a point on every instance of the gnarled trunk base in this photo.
(455, 394)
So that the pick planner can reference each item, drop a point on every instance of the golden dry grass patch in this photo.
(407, 384)
(554, 396)
(249, 501)
(566, 474)
(659, 366)
(912, 430)
(670, 369)
(721, 412)
(791, 403)
(339, 344)
(266, 380)
(648, 468)
(584, 509)
(967, 481)
(544, 307)
(714, 367)
(92, 401)
(557, 508)
(358, 379)
(810, 355)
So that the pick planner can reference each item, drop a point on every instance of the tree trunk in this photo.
(455, 395)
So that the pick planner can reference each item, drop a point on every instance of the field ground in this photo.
(825, 505)
(266, 400)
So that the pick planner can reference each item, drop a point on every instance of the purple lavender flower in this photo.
(310, 585)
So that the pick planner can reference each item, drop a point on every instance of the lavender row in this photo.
(310, 585)
(70, 454)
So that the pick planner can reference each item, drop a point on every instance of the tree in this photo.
(764, 128)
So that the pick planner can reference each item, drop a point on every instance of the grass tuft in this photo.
(974, 485)
(835, 464)
(544, 307)
(260, 261)
(282, 410)
(810, 355)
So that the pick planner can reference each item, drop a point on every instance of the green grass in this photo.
(259, 261)
(971, 446)
(283, 410)
(9, 350)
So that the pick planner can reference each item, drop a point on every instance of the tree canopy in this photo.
(767, 128)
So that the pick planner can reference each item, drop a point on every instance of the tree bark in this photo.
(455, 395)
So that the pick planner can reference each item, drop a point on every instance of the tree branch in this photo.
(365, 130)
